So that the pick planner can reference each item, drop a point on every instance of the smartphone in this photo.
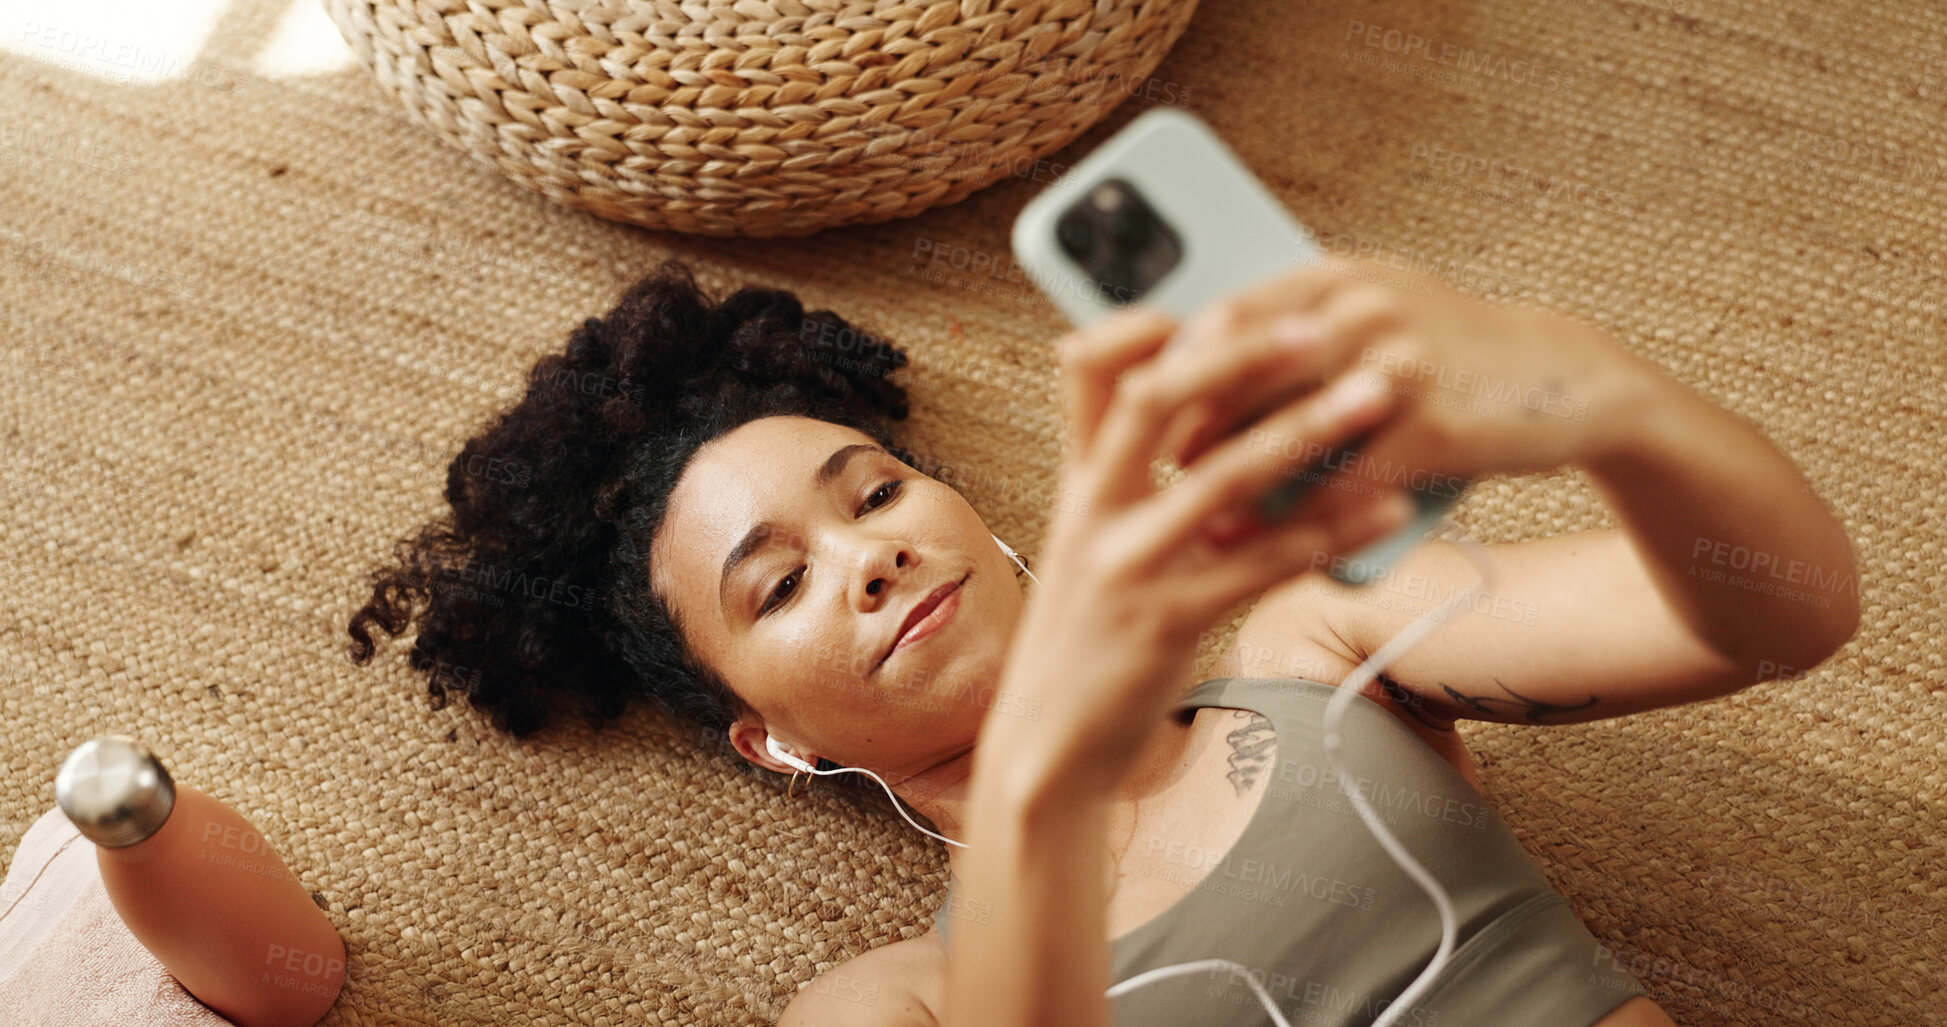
(1165, 213)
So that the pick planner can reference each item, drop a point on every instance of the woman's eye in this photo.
(889, 489)
(894, 485)
(774, 600)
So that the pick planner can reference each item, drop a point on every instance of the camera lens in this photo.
(1075, 234)
(1108, 197)
(1128, 230)
(1119, 243)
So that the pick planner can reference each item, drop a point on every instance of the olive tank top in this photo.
(1324, 918)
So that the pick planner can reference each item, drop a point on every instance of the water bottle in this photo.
(201, 889)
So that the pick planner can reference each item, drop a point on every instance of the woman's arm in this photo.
(1734, 537)
(1034, 952)
(1727, 571)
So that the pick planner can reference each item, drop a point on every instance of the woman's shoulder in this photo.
(900, 982)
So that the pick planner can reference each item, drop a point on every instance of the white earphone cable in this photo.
(1354, 683)
(809, 769)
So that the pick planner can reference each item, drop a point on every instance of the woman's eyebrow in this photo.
(761, 535)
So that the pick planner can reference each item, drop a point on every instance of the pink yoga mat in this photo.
(66, 959)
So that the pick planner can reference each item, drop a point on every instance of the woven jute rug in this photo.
(248, 317)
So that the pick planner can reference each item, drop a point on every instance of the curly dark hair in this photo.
(533, 595)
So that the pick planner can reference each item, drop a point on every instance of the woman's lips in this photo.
(935, 619)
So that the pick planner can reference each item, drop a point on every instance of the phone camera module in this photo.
(1119, 241)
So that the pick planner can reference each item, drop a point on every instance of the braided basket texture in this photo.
(759, 117)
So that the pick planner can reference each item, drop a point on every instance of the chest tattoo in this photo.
(1251, 749)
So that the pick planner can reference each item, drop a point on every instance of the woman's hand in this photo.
(1480, 387)
(1132, 576)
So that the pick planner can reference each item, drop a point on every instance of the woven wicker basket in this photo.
(759, 117)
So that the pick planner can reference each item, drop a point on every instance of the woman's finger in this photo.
(1339, 332)
(1152, 399)
(1302, 288)
(1244, 468)
(1236, 362)
(1231, 574)
(1330, 491)
(1091, 360)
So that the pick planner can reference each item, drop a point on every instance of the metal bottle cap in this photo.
(115, 790)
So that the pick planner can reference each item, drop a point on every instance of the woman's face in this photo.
(797, 614)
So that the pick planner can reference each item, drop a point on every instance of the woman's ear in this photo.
(751, 739)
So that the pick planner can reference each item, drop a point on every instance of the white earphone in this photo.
(1354, 683)
(1016, 557)
(770, 744)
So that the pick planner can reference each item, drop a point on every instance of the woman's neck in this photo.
(1166, 756)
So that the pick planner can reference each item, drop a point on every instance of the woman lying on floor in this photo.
(770, 564)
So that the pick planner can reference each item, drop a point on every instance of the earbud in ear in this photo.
(770, 743)
(1016, 557)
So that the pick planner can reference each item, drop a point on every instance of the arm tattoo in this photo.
(1535, 708)
(1412, 701)
(1248, 745)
